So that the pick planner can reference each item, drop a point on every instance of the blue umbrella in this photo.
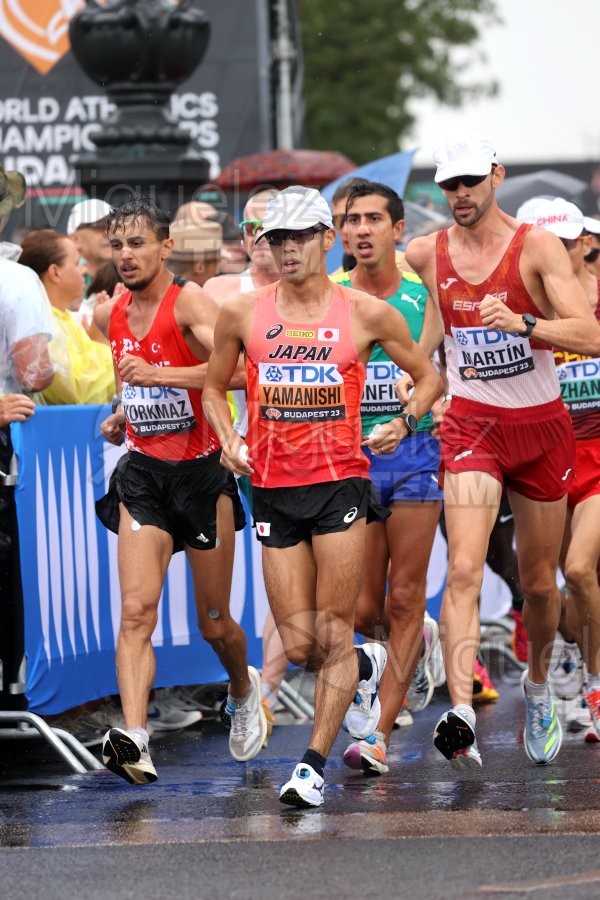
(393, 170)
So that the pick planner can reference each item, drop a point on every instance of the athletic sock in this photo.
(467, 712)
(365, 666)
(517, 602)
(140, 733)
(593, 683)
(315, 761)
(535, 690)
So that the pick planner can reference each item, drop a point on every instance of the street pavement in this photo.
(213, 828)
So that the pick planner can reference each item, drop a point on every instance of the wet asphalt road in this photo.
(213, 828)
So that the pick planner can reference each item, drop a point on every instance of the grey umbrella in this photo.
(545, 182)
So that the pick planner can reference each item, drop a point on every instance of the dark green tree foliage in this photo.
(364, 62)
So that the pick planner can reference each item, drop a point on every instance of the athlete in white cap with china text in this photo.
(507, 295)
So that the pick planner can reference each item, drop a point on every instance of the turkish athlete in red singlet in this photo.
(169, 491)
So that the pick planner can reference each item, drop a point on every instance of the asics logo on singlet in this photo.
(446, 284)
(351, 515)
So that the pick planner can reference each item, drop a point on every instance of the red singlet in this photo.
(305, 383)
(164, 422)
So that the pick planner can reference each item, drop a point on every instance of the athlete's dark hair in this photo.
(343, 189)
(395, 205)
(140, 208)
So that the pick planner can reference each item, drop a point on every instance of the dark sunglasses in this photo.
(339, 220)
(251, 226)
(469, 181)
(592, 256)
(279, 235)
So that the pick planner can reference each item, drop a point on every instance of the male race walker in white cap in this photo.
(507, 295)
(307, 342)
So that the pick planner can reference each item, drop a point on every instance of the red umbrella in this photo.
(281, 168)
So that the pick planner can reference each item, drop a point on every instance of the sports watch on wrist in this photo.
(530, 323)
(116, 402)
(410, 421)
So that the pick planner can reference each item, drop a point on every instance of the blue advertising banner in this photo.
(69, 572)
(70, 580)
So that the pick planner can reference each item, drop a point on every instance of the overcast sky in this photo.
(546, 58)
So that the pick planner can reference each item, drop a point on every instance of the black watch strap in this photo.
(410, 421)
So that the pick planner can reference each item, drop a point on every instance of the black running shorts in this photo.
(285, 516)
(180, 498)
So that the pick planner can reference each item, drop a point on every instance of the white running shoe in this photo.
(163, 717)
(248, 721)
(467, 759)
(369, 755)
(362, 717)
(126, 755)
(453, 735)
(420, 690)
(578, 718)
(304, 789)
(567, 674)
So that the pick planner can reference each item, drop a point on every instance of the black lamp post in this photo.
(139, 51)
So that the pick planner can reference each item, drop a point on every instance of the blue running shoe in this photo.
(542, 736)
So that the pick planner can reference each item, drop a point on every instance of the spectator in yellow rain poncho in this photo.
(84, 367)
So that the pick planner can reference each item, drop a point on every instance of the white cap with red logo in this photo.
(559, 216)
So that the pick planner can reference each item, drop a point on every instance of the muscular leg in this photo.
(275, 662)
(143, 557)
(370, 618)
(312, 592)
(501, 557)
(211, 575)
(471, 501)
(582, 578)
(410, 534)
(339, 559)
(539, 529)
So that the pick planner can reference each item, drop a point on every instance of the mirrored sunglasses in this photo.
(251, 226)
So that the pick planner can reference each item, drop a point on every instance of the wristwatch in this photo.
(410, 421)
(530, 323)
(116, 402)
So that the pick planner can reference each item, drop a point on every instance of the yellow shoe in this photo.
(483, 689)
(270, 722)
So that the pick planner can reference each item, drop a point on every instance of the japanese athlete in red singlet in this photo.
(507, 295)
(307, 343)
(169, 491)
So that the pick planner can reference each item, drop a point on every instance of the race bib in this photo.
(580, 384)
(153, 411)
(488, 354)
(379, 397)
(299, 393)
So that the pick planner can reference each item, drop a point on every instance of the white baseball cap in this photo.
(559, 216)
(591, 225)
(463, 156)
(86, 213)
(295, 208)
